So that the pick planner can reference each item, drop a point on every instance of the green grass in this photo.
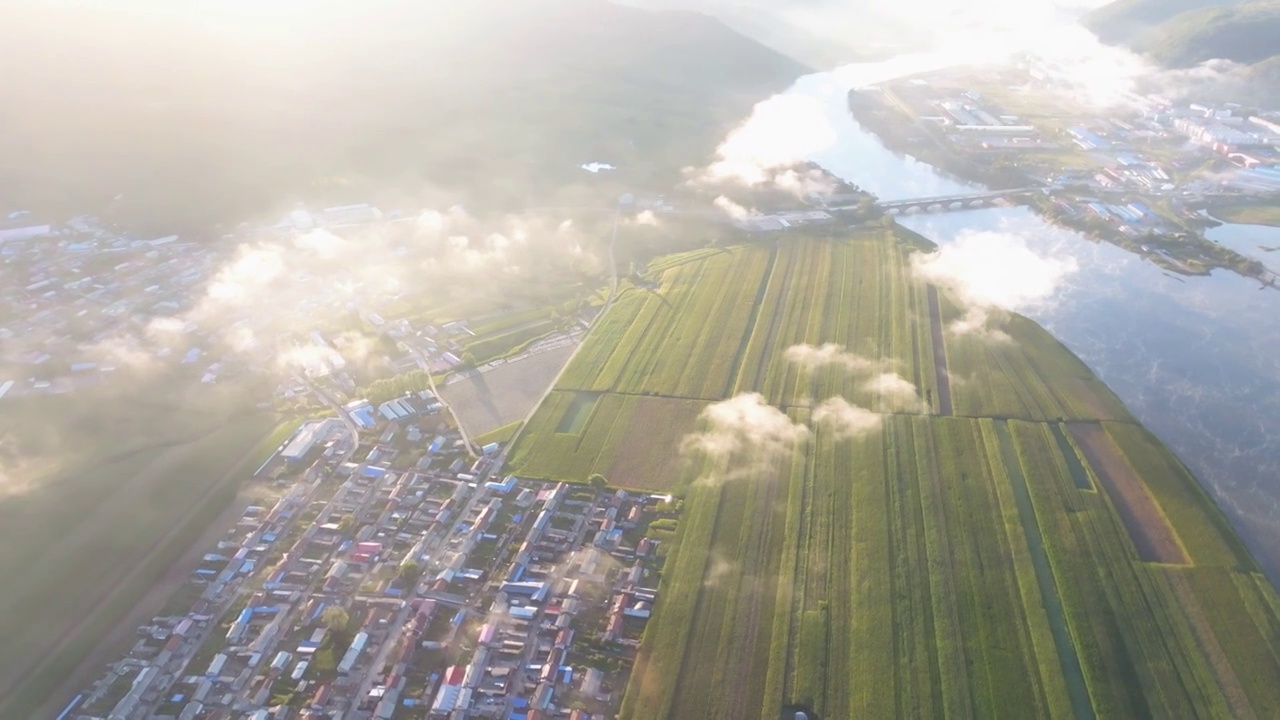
(1249, 214)
(632, 440)
(966, 566)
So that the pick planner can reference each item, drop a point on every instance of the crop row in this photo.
(1136, 637)
(1014, 368)
(935, 566)
(682, 340)
(632, 440)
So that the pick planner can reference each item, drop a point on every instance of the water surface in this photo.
(1197, 359)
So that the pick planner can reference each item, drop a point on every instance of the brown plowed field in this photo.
(1150, 531)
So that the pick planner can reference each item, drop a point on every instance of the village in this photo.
(399, 574)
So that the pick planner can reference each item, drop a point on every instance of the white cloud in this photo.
(733, 209)
(252, 269)
(769, 147)
(782, 131)
(845, 419)
(816, 356)
(894, 391)
(646, 218)
(322, 243)
(987, 270)
(743, 434)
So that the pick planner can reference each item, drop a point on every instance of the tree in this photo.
(346, 522)
(597, 481)
(409, 571)
(335, 618)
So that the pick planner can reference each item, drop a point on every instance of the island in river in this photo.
(1130, 177)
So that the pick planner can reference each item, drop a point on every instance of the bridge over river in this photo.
(950, 203)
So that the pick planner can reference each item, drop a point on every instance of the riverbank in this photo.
(1175, 242)
(1249, 214)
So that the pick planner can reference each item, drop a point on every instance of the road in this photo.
(327, 399)
(431, 380)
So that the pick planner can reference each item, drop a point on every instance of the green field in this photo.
(138, 480)
(1035, 554)
(1249, 214)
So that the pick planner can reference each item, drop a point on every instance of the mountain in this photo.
(1247, 34)
(197, 118)
(1184, 33)
(1124, 20)
(818, 33)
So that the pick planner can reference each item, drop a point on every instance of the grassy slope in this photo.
(137, 472)
(966, 566)
(498, 102)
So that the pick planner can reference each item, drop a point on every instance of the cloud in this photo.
(993, 270)
(260, 298)
(845, 419)
(781, 132)
(322, 243)
(646, 218)
(742, 435)
(804, 183)
(734, 210)
(770, 147)
(314, 360)
(122, 351)
(894, 391)
(812, 357)
(251, 271)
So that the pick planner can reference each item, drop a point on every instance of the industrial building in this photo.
(311, 434)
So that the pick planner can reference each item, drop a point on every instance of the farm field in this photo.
(151, 472)
(1033, 553)
(634, 441)
(486, 401)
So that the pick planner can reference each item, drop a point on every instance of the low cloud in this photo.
(742, 436)
(894, 391)
(733, 209)
(845, 419)
(781, 132)
(990, 271)
(260, 298)
(646, 218)
(812, 357)
(770, 147)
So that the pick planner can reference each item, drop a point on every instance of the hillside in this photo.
(1247, 34)
(497, 102)
(1124, 20)
(884, 517)
(1183, 33)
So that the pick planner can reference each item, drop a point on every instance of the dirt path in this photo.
(117, 640)
(1152, 535)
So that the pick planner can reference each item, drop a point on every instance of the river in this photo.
(1197, 359)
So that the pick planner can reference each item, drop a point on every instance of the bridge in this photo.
(949, 203)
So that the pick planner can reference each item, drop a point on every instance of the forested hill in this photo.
(1183, 33)
(194, 120)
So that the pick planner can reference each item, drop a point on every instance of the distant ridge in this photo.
(490, 101)
(1184, 33)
